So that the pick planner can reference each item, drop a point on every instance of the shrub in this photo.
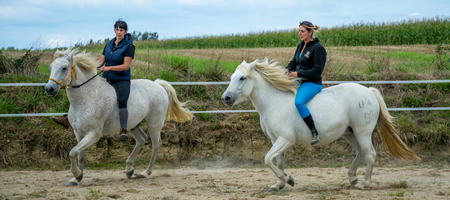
(442, 61)
(27, 64)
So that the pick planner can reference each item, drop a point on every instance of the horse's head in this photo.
(247, 75)
(62, 73)
(241, 84)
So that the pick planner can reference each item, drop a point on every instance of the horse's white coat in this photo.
(94, 110)
(348, 110)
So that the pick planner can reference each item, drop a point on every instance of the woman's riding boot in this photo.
(123, 118)
(63, 121)
(315, 136)
(123, 135)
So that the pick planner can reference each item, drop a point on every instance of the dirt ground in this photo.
(228, 183)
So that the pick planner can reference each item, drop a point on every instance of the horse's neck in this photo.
(82, 75)
(89, 91)
(266, 98)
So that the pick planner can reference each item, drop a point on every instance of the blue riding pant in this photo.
(305, 93)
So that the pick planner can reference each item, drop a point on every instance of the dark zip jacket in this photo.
(310, 65)
(114, 55)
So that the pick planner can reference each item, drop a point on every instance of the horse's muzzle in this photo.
(228, 98)
(51, 89)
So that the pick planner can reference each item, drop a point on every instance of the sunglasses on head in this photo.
(305, 23)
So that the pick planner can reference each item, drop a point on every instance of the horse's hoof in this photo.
(361, 186)
(80, 177)
(354, 182)
(291, 181)
(140, 176)
(129, 174)
(272, 189)
(71, 183)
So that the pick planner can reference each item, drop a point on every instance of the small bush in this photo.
(442, 61)
(399, 193)
(402, 184)
(27, 65)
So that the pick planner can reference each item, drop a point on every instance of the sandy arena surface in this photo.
(227, 183)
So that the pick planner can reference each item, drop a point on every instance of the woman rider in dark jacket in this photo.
(308, 64)
(115, 65)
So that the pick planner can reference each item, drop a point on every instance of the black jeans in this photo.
(123, 92)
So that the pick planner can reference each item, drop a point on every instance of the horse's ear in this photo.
(243, 62)
(70, 57)
(252, 64)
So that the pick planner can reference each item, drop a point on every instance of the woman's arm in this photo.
(320, 57)
(293, 64)
(101, 62)
(123, 67)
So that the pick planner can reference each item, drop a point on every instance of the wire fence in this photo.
(208, 93)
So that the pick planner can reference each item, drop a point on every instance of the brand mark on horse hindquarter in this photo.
(369, 116)
(361, 104)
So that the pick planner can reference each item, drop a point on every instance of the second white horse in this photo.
(347, 110)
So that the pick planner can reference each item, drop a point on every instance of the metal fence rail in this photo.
(221, 111)
(240, 111)
(226, 83)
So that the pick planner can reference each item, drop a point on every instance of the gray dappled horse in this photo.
(94, 110)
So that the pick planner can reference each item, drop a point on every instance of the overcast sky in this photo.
(66, 22)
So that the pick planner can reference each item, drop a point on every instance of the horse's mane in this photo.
(81, 59)
(272, 73)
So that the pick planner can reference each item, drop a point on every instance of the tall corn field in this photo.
(414, 31)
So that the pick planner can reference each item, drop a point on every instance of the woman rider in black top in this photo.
(308, 64)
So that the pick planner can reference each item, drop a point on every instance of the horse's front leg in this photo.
(280, 164)
(140, 138)
(79, 152)
(278, 148)
(81, 157)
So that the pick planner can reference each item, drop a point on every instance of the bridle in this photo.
(74, 72)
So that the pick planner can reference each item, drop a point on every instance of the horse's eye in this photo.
(242, 78)
(64, 68)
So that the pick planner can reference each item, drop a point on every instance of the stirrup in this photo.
(316, 140)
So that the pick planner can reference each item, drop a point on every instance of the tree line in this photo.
(135, 35)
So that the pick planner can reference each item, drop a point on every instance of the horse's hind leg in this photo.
(278, 148)
(154, 130)
(365, 142)
(351, 139)
(140, 138)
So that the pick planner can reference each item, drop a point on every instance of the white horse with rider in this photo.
(94, 110)
(347, 110)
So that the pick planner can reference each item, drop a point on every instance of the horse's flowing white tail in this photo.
(389, 136)
(177, 110)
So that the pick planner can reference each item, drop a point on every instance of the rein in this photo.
(77, 86)
(73, 71)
